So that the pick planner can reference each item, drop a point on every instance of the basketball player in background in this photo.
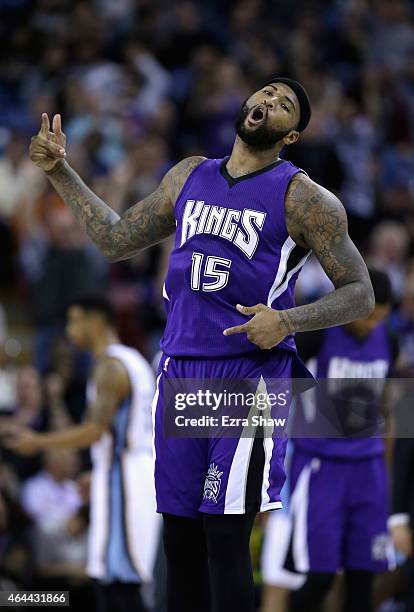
(124, 527)
(244, 227)
(339, 484)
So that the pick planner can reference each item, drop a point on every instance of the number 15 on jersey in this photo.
(216, 268)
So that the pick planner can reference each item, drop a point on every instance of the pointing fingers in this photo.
(45, 125)
(57, 130)
(238, 329)
(57, 125)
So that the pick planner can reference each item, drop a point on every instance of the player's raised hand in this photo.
(266, 328)
(47, 148)
(57, 131)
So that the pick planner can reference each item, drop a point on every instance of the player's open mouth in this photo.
(257, 115)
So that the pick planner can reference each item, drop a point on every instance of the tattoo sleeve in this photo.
(143, 225)
(317, 220)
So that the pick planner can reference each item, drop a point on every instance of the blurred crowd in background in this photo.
(141, 84)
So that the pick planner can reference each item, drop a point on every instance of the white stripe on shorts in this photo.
(299, 508)
(268, 446)
(153, 410)
(235, 501)
(278, 532)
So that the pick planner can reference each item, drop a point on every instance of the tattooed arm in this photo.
(317, 220)
(143, 225)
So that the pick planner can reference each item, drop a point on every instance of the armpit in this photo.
(178, 175)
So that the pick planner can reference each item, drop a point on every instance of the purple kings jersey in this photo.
(349, 403)
(232, 247)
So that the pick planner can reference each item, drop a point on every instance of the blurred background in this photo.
(141, 84)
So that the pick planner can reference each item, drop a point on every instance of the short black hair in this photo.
(382, 286)
(95, 302)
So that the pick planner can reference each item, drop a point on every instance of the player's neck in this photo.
(102, 342)
(244, 160)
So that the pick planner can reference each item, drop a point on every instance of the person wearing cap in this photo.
(244, 227)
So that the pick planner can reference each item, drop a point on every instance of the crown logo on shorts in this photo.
(214, 472)
(212, 483)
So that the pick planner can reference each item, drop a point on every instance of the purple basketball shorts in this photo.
(221, 466)
(339, 514)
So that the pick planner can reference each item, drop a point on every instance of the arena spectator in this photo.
(35, 409)
(7, 368)
(59, 531)
(57, 270)
(402, 321)
(389, 252)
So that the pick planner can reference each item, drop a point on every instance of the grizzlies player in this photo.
(124, 526)
(339, 485)
(244, 226)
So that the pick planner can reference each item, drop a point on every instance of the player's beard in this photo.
(260, 138)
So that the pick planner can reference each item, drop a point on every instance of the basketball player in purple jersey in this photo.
(244, 227)
(338, 475)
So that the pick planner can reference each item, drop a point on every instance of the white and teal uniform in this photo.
(124, 527)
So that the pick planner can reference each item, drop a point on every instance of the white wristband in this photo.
(395, 520)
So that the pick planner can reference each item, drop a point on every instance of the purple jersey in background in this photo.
(356, 369)
(232, 247)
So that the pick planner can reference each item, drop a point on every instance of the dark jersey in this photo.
(341, 416)
(232, 247)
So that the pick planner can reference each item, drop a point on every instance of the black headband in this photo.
(302, 96)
